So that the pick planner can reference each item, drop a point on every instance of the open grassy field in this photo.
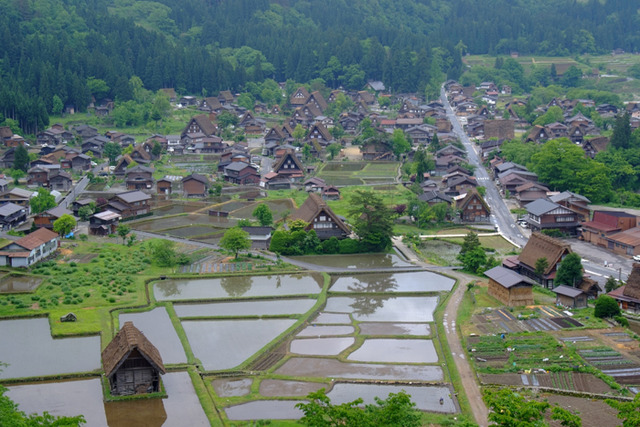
(358, 173)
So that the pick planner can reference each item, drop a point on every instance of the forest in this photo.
(66, 51)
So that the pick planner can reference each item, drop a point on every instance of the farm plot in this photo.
(516, 352)
(613, 363)
(573, 381)
(500, 321)
(357, 173)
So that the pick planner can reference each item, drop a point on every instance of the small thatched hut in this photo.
(131, 363)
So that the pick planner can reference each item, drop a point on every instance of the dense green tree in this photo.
(226, 119)
(57, 105)
(570, 271)
(611, 284)
(553, 114)
(566, 417)
(470, 242)
(606, 306)
(399, 143)
(333, 149)
(508, 408)
(628, 412)
(558, 163)
(263, 214)
(43, 201)
(541, 266)
(235, 240)
(21, 158)
(64, 225)
(396, 410)
(85, 212)
(621, 137)
(163, 253)
(112, 150)
(372, 220)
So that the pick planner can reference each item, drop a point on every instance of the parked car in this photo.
(636, 257)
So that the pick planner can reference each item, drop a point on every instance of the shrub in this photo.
(622, 321)
(606, 306)
(349, 246)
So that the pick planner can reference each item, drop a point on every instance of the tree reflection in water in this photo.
(374, 283)
(236, 286)
(364, 305)
(169, 288)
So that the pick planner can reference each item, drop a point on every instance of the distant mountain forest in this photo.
(66, 51)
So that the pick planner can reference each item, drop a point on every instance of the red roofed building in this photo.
(605, 224)
(30, 249)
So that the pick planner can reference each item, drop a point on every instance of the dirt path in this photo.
(467, 377)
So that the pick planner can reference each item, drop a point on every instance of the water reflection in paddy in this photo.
(237, 286)
(427, 398)
(230, 387)
(318, 367)
(19, 283)
(321, 346)
(395, 351)
(420, 281)
(29, 349)
(265, 410)
(355, 261)
(245, 308)
(385, 308)
(157, 327)
(224, 344)
(69, 398)
(332, 319)
(394, 329)
(319, 331)
(273, 388)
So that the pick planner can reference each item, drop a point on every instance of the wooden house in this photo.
(331, 193)
(530, 191)
(433, 197)
(604, 224)
(139, 178)
(140, 155)
(130, 203)
(571, 297)
(321, 218)
(320, 134)
(575, 202)
(12, 215)
(131, 363)
(593, 146)
(194, 185)
(299, 97)
(628, 296)
(289, 166)
(60, 180)
(544, 214)
(241, 173)
(95, 145)
(77, 204)
(260, 236)
(542, 246)
(163, 186)
(17, 196)
(200, 124)
(30, 249)
(38, 176)
(625, 242)
(104, 223)
(473, 208)
(509, 287)
(47, 218)
(80, 162)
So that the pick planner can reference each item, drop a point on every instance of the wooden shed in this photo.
(509, 287)
(628, 296)
(570, 297)
(131, 363)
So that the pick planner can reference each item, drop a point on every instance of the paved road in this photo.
(500, 214)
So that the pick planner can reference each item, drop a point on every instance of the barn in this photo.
(509, 287)
(131, 363)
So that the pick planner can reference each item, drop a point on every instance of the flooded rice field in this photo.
(18, 283)
(381, 329)
(245, 308)
(273, 388)
(332, 319)
(385, 308)
(421, 281)
(357, 261)
(323, 331)
(331, 368)
(395, 351)
(30, 351)
(265, 410)
(68, 398)
(157, 327)
(237, 286)
(240, 339)
(321, 346)
(427, 398)
(231, 387)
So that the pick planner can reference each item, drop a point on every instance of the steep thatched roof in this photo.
(632, 288)
(288, 155)
(127, 340)
(542, 246)
(312, 207)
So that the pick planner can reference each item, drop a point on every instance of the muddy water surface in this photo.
(237, 286)
(19, 283)
(157, 327)
(332, 319)
(245, 308)
(356, 262)
(321, 346)
(395, 351)
(273, 388)
(29, 350)
(385, 308)
(320, 331)
(224, 344)
(394, 329)
(265, 410)
(316, 367)
(422, 281)
(230, 387)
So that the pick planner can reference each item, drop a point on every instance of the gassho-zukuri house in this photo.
(131, 363)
